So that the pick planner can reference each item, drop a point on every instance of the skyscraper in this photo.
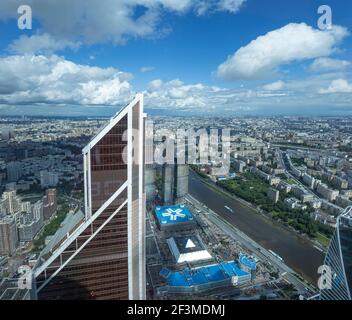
(8, 235)
(49, 203)
(7, 133)
(10, 202)
(339, 260)
(174, 182)
(14, 171)
(101, 254)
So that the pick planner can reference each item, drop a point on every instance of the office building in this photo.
(325, 192)
(168, 183)
(150, 168)
(339, 182)
(239, 166)
(29, 223)
(14, 171)
(273, 195)
(7, 133)
(309, 180)
(8, 235)
(49, 203)
(339, 260)
(181, 180)
(150, 186)
(10, 203)
(174, 182)
(101, 254)
(343, 202)
(48, 179)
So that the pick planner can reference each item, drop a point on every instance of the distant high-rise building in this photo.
(150, 168)
(273, 195)
(339, 260)
(14, 171)
(10, 203)
(101, 254)
(30, 222)
(21, 153)
(150, 186)
(7, 134)
(2, 207)
(49, 203)
(181, 180)
(239, 165)
(8, 235)
(168, 183)
(174, 182)
(48, 179)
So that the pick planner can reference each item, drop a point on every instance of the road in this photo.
(75, 201)
(282, 161)
(301, 147)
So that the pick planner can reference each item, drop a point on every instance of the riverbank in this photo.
(320, 240)
(298, 252)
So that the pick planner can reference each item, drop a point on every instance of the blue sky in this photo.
(188, 57)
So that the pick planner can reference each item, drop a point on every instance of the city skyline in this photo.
(295, 171)
(175, 150)
(242, 57)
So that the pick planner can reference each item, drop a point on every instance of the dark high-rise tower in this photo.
(100, 254)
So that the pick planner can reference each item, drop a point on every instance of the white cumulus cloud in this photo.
(178, 95)
(155, 84)
(147, 69)
(275, 86)
(54, 80)
(40, 44)
(328, 64)
(294, 42)
(338, 86)
(90, 21)
(233, 6)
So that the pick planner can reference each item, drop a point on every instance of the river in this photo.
(298, 253)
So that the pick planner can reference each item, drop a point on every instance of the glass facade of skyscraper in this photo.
(102, 255)
(339, 260)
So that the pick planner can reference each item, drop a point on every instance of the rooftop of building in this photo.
(173, 214)
(188, 249)
(248, 262)
(203, 275)
(188, 244)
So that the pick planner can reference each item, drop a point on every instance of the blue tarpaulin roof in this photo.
(203, 275)
(250, 263)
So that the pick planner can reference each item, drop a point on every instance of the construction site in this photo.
(189, 257)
